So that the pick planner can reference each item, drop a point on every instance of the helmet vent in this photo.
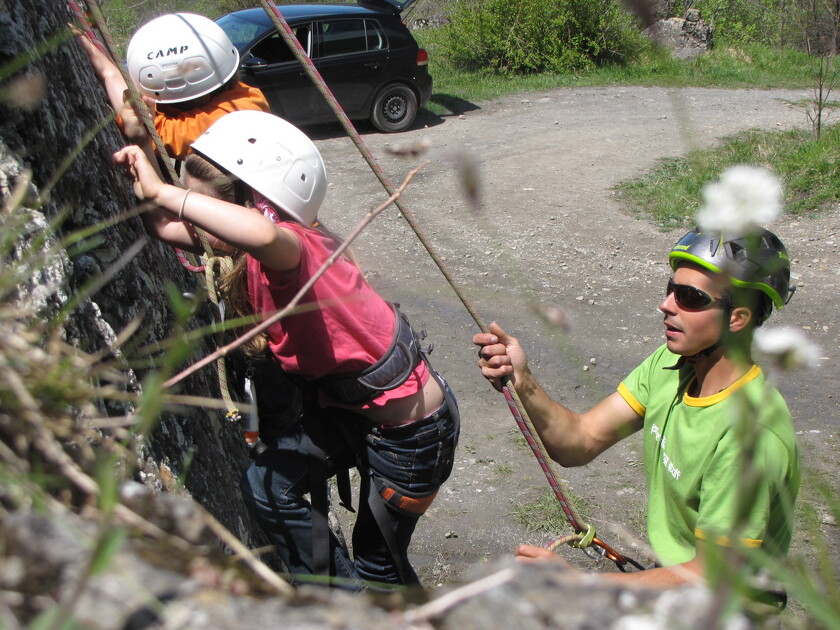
(739, 253)
(252, 140)
(303, 177)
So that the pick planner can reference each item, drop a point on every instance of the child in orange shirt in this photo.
(185, 68)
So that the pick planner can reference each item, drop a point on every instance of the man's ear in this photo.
(739, 318)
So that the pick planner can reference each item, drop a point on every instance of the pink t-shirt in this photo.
(350, 329)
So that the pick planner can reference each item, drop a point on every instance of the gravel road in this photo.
(551, 230)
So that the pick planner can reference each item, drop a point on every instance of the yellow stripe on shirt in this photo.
(725, 541)
(638, 407)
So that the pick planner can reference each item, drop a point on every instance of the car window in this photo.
(239, 29)
(275, 50)
(375, 36)
(340, 37)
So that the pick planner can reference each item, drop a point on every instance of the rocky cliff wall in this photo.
(53, 109)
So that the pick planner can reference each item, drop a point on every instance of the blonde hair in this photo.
(234, 284)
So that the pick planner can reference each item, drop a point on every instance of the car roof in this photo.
(308, 11)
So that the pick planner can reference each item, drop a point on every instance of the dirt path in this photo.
(552, 231)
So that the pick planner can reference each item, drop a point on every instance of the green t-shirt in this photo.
(694, 459)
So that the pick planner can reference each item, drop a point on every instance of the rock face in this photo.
(686, 38)
(188, 588)
(53, 106)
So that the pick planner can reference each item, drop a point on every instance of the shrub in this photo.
(124, 17)
(530, 36)
(803, 24)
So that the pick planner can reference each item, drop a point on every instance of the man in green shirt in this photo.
(695, 398)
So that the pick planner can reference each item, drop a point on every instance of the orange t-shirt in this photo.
(178, 129)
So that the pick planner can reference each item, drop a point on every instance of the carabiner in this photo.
(618, 559)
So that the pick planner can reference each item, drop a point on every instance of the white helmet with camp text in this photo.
(272, 156)
(181, 56)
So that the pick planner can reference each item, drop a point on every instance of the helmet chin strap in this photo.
(704, 353)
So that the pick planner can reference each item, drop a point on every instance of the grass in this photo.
(504, 470)
(816, 582)
(546, 515)
(750, 66)
(810, 171)
(518, 440)
(670, 195)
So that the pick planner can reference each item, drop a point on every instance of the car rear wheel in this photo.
(394, 108)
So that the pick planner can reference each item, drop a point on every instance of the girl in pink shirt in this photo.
(371, 398)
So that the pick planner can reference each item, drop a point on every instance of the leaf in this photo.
(109, 544)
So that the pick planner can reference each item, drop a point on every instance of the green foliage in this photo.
(107, 546)
(741, 20)
(529, 36)
(816, 586)
(53, 619)
(803, 24)
(753, 65)
(504, 470)
(810, 170)
(124, 17)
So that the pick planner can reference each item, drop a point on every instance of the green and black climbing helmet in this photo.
(752, 261)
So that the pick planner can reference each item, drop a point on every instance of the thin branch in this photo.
(437, 607)
(257, 565)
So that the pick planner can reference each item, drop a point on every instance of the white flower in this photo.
(639, 622)
(744, 199)
(788, 347)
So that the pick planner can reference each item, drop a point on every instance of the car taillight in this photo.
(422, 57)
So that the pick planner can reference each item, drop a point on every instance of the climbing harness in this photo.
(389, 372)
(582, 529)
(379, 493)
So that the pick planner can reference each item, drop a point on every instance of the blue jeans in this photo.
(415, 459)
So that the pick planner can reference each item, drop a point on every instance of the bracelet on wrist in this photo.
(183, 203)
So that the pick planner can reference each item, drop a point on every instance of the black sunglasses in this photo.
(691, 298)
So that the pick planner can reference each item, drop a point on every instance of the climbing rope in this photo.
(82, 20)
(213, 265)
(584, 533)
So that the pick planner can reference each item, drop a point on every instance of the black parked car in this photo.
(364, 52)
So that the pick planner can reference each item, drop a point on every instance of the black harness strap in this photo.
(345, 494)
(392, 369)
(383, 520)
(408, 354)
(321, 556)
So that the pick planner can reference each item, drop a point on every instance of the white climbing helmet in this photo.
(272, 156)
(180, 56)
